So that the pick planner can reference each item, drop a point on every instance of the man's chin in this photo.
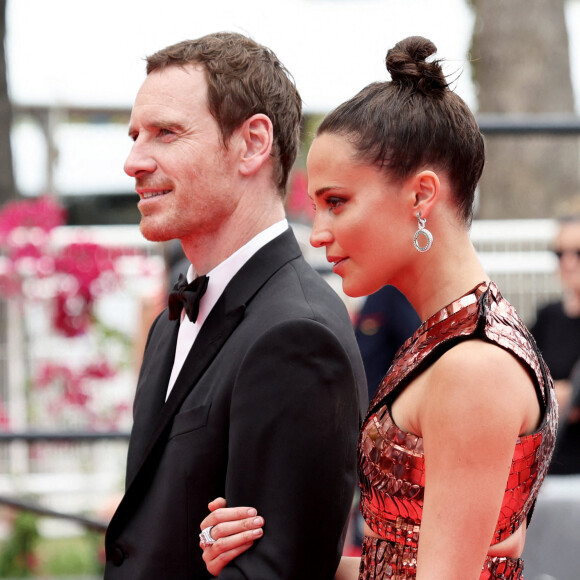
(154, 234)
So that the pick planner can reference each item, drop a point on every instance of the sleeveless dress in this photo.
(391, 461)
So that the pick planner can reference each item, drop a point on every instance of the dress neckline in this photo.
(452, 308)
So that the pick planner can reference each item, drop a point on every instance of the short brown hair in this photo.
(244, 79)
(413, 121)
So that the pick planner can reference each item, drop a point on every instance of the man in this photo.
(256, 398)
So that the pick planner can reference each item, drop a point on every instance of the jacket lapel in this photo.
(151, 388)
(221, 322)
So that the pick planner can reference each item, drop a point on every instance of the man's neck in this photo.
(206, 252)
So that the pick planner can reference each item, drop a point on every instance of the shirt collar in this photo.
(223, 273)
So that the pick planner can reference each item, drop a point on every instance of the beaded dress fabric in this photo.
(391, 461)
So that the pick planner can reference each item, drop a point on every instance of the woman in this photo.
(468, 403)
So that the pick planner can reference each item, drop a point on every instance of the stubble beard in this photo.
(155, 232)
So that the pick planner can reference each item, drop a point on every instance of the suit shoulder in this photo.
(313, 289)
(297, 291)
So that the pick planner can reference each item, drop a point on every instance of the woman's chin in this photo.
(356, 290)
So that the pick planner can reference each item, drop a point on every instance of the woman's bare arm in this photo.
(478, 401)
(348, 568)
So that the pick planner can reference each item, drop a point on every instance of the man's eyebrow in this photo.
(160, 124)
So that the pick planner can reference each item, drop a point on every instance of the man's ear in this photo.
(257, 135)
(426, 187)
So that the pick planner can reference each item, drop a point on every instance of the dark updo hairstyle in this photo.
(415, 121)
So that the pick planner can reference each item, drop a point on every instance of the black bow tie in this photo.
(187, 296)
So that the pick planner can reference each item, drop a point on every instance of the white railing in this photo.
(516, 254)
(83, 476)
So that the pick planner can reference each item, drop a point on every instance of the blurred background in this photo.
(79, 285)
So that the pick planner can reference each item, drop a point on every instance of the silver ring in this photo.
(205, 537)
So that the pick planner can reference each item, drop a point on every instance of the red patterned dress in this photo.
(391, 461)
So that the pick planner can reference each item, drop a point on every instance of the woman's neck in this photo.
(451, 272)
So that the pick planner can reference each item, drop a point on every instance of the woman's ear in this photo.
(257, 135)
(426, 188)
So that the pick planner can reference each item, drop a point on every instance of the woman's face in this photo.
(568, 248)
(360, 219)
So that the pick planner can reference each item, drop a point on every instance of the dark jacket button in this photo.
(116, 555)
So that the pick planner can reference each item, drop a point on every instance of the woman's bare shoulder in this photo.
(476, 381)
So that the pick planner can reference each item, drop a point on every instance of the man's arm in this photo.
(294, 426)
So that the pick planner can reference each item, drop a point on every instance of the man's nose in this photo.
(139, 161)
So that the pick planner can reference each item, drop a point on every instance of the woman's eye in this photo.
(334, 202)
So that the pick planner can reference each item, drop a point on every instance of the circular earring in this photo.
(422, 231)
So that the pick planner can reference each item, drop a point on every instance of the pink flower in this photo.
(99, 370)
(86, 262)
(4, 418)
(74, 393)
(299, 205)
(72, 313)
(10, 281)
(43, 212)
(26, 251)
(75, 389)
(50, 373)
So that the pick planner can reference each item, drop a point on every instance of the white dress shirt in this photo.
(219, 278)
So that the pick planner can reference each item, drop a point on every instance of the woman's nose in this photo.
(321, 234)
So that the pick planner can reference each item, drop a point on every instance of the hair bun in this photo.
(406, 63)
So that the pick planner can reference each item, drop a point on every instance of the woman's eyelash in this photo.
(334, 201)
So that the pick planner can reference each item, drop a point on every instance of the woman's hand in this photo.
(234, 531)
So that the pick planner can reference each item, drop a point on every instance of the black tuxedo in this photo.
(265, 413)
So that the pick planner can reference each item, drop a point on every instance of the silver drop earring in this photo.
(422, 231)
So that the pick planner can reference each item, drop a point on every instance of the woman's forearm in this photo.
(348, 568)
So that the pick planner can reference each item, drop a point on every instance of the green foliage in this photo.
(26, 554)
(18, 556)
(77, 556)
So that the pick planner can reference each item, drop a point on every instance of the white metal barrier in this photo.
(516, 254)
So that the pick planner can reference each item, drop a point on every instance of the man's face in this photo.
(183, 174)
(568, 248)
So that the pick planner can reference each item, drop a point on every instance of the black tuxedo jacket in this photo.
(265, 413)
